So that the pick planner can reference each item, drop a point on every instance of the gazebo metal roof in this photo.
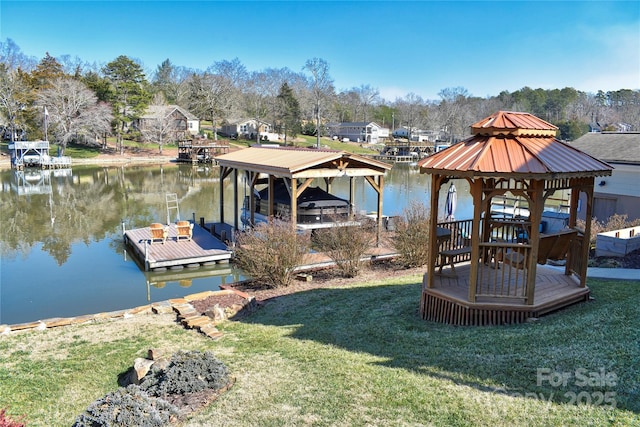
(501, 146)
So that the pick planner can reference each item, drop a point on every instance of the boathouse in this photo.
(35, 154)
(493, 269)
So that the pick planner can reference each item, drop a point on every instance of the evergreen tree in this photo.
(288, 112)
(129, 95)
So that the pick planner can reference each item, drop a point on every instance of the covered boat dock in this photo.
(298, 168)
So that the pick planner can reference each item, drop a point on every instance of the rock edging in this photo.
(187, 315)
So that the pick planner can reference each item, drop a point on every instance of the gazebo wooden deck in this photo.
(448, 300)
(513, 154)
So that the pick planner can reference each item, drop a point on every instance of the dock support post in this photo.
(146, 256)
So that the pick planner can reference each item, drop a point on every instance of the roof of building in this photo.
(301, 162)
(612, 147)
(514, 144)
(162, 111)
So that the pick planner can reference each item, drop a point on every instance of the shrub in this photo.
(5, 421)
(614, 222)
(346, 245)
(130, 406)
(188, 372)
(270, 252)
(412, 235)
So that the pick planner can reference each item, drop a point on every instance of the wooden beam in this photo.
(536, 206)
(294, 203)
(476, 194)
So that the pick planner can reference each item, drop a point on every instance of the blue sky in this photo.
(398, 47)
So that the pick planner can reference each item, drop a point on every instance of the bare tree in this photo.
(161, 130)
(74, 112)
(13, 58)
(14, 97)
(450, 111)
(412, 110)
(321, 87)
(367, 97)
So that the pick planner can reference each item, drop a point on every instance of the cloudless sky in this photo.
(398, 47)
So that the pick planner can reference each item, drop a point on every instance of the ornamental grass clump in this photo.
(187, 372)
(130, 406)
(160, 397)
(270, 252)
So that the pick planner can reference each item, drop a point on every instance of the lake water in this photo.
(61, 245)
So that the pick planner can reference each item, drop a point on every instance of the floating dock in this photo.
(202, 249)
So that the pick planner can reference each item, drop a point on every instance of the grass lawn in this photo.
(358, 355)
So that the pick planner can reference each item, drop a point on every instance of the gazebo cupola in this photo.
(515, 154)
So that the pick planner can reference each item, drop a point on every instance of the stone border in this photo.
(186, 314)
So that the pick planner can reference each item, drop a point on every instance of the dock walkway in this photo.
(202, 249)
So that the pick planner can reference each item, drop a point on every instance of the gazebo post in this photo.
(586, 244)
(535, 217)
(432, 256)
(476, 194)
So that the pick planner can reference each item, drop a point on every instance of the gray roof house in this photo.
(185, 124)
(619, 193)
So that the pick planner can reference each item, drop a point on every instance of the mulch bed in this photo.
(330, 277)
(631, 260)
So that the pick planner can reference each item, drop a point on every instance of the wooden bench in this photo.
(450, 256)
(555, 246)
(158, 232)
(184, 230)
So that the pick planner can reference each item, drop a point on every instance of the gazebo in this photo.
(501, 275)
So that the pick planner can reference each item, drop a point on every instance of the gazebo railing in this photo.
(460, 237)
(503, 270)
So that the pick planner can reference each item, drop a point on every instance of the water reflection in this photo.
(61, 244)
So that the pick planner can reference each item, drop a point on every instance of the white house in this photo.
(417, 135)
(184, 122)
(369, 132)
(247, 129)
(618, 193)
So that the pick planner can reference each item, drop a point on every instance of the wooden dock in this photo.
(202, 249)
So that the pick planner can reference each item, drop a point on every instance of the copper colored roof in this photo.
(296, 162)
(516, 144)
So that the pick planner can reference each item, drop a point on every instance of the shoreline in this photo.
(112, 159)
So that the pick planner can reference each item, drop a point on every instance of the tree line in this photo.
(83, 102)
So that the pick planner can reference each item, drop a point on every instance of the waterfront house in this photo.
(369, 132)
(618, 193)
(181, 122)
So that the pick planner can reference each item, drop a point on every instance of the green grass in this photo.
(355, 355)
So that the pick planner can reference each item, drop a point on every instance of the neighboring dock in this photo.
(35, 154)
(200, 150)
(202, 249)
